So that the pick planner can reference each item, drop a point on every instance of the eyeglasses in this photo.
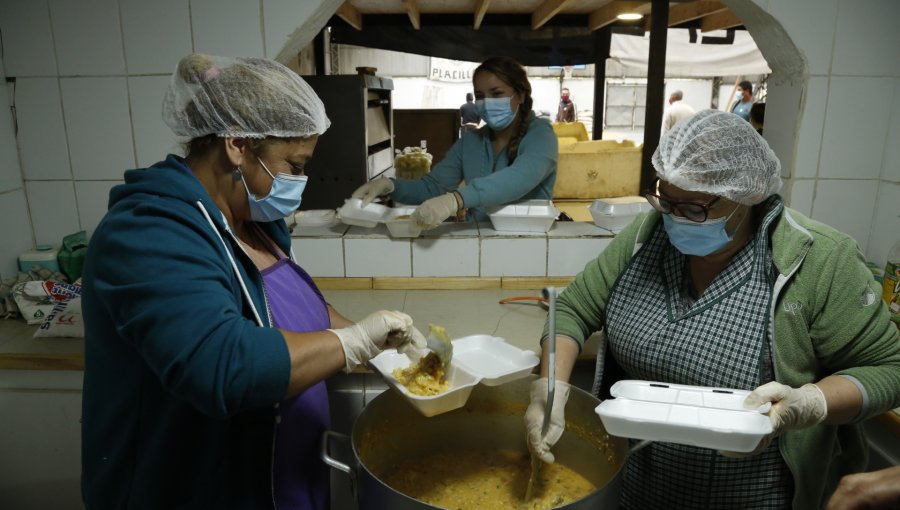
(693, 211)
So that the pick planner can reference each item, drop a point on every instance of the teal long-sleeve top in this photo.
(490, 179)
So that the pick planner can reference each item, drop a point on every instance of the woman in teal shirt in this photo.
(512, 158)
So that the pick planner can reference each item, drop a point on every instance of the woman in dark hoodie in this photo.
(206, 346)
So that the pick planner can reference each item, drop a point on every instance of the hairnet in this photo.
(721, 154)
(241, 97)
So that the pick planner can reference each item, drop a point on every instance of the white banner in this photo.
(441, 69)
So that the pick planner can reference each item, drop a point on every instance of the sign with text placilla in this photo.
(442, 69)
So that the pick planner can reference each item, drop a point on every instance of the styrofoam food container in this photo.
(615, 214)
(525, 216)
(316, 218)
(353, 213)
(692, 415)
(483, 359)
(402, 227)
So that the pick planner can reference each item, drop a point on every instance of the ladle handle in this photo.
(550, 293)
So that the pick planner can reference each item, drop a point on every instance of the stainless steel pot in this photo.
(389, 430)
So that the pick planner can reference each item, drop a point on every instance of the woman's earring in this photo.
(237, 175)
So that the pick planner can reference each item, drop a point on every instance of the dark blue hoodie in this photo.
(179, 381)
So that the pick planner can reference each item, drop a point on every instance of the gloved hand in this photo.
(365, 339)
(534, 418)
(373, 189)
(792, 408)
(435, 210)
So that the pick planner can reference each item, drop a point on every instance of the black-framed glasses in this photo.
(693, 211)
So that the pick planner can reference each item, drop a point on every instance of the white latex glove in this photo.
(435, 210)
(373, 189)
(365, 339)
(792, 408)
(534, 418)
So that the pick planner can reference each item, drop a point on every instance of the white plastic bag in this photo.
(64, 320)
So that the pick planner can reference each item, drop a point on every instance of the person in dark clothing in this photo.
(758, 116)
(566, 112)
(468, 115)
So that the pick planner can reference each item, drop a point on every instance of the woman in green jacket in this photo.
(724, 286)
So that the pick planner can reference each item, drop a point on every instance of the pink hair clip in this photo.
(209, 74)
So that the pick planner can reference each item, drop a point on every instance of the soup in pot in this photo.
(486, 480)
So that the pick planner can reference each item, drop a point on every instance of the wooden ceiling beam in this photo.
(546, 11)
(719, 21)
(607, 14)
(481, 8)
(412, 10)
(682, 13)
(350, 14)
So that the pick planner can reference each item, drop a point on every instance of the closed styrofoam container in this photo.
(692, 415)
(353, 213)
(616, 213)
(400, 224)
(525, 216)
(477, 359)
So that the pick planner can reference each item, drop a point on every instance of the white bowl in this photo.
(525, 216)
(400, 224)
(615, 213)
(353, 213)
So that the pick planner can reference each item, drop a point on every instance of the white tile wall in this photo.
(567, 257)
(890, 170)
(53, 210)
(142, 22)
(801, 197)
(16, 230)
(514, 257)
(846, 205)
(87, 37)
(784, 100)
(810, 139)
(227, 27)
(99, 127)
(152, 137)
(93, 199)
(10, 176)
(27, 38)
(847, 150)
(886, 227)
(445, 257)
(43, 149)
(377, 257)
(867, 42)
(320, 257)
(811, 26)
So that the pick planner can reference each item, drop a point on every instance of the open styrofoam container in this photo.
(477, 359)
(692, 415)
(400, 224)
(353, 213)
(525, 216)
(616, 213)
(316, 218)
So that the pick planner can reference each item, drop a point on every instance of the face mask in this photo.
(496, 111)
(282, 200)
(700, 239)
(739, 96)
(565, 99)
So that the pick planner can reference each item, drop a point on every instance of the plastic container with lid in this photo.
(477, 359)
(353, 213)
(692, 415)
(44, 255)
(400, 224)
(614, 214)
(891, 280)
(525, 216)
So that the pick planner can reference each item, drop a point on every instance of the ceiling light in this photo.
(629, 16)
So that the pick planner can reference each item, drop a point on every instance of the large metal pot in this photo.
(390, 430)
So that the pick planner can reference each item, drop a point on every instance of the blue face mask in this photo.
(700, 239)
(282, 200)
(496, 111)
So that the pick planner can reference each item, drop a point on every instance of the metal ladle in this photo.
(550, 293)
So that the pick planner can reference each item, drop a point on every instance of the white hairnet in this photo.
(721, 154)
(241, 97)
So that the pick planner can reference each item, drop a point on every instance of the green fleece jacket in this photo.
(828, 319)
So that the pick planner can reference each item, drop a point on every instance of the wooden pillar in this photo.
(656, 75)
(602, 40)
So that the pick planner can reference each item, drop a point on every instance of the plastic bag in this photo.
(36, 299)
(64, 320)
(72, 253)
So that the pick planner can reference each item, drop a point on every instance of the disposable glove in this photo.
(534, 418)
(365, 339)
(435, 210)
(792, 408)
(373, 189)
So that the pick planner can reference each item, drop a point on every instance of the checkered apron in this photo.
(657, 332)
